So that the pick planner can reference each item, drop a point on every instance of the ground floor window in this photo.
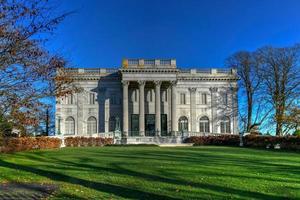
(225, 125)
(150, 124)
(91, 125)
(204, 125)
(183, 124)
(135, 125)
(164, 125)
(112, 124)
(70, 126)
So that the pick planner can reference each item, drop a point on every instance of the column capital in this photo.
(125, 83)
(141, 83)
(213, 89)
(192, 89)
(157, 83)
(173, 83)
(234, 89)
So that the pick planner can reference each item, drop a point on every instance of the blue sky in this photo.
(198, 33)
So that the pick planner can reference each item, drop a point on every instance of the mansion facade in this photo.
(149, 98)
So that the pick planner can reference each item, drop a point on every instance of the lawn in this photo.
(158, 173)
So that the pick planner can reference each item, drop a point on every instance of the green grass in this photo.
(158, 173)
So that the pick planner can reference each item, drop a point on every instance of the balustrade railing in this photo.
(171, 134)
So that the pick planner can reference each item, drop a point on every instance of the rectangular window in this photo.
(113, 99)
(222, 127)
(135, 96)
(203, 98)
(134, 125)
(92, 98)
(149, 96)
(182, 98)
(225, 98)
(164, 125)
(164, 96)
(150, 124)
(70, 99)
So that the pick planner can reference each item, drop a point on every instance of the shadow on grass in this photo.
(208, 158)
(129, 192)
(102, 187)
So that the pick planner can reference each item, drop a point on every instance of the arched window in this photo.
(112, 124)
(183, 124)
(70, 126)
(91, 125)
(225, 125)
(204, 124)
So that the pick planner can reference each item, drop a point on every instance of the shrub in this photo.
(227, 140)
(28, 143)
(87, 141)
(258, 141)
(297, 133)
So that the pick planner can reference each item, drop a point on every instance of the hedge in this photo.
(226, 140)
(287, 142)
(13, 144)
(87, 141)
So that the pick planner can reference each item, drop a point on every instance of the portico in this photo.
(145, 119)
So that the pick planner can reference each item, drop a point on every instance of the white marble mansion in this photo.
(149, 98)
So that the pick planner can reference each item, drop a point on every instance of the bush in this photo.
(287, 142)
(227, 140)
(297, 133)
(87, 141)
(258, 141)
(28, 143)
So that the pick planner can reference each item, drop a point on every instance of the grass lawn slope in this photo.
(158, 173)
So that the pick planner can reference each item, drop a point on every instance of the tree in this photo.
(292, 119)
(27, 70)
(247, 65)
(280, 70)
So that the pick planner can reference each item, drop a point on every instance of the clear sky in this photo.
(198, 33)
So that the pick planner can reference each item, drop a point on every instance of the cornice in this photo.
(207, 79)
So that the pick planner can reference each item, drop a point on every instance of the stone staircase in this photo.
(155, 140)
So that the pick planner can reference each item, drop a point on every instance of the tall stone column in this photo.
(125, 108)
(193, 108)
(213, 91)
(157, 108)
(235, 110)
(174, 118)
(142, 107)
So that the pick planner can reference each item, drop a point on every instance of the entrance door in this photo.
(134, 125)
(150, 125)
(164, 125)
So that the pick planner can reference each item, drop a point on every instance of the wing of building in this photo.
(149, 98)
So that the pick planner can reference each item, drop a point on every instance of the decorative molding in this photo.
(125, 83)
(192, 89)
(173, 83)
(142, 83)
(157, 83)
(213, 89)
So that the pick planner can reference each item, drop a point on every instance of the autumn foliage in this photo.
(87, 141)
(252, 140)
(28, 71)
(12, 144)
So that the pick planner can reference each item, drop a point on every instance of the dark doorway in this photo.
(164, 125)
(150, 125)
(135, 127)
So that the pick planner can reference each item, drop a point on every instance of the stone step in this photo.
(176, 145)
